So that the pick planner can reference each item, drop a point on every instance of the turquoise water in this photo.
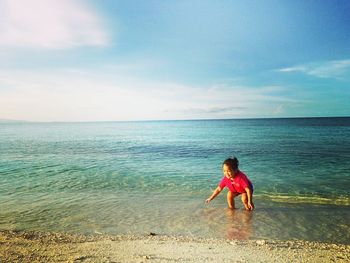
(139, 177)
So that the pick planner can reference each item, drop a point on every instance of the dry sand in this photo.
(20, 246)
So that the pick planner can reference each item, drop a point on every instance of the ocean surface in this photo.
(154, 176)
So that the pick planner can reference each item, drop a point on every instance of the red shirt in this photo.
(238, 183)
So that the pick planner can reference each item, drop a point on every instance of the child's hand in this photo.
(207, 201)
(250, 206)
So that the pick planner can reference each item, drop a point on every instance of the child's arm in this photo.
(215, 193)
(250, 198)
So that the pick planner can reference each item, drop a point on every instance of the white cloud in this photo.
(294, 69)
(223, 101)
(338, 69)
(68, 95)
(279, 109)
(52, 24)
(77, 95)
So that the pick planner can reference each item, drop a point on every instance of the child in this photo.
(237, 183)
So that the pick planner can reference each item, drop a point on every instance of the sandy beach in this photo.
(24, 246)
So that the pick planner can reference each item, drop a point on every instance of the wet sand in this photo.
(26, 246)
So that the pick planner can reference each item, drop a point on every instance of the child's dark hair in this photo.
(232, 162)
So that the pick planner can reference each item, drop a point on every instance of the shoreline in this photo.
(34, 246)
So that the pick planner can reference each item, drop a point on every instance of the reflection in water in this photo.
(239, 224)
(278, 222)
(228, 223)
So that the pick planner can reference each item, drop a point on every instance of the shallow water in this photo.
(139, 177)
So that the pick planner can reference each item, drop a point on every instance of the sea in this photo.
(146, 177)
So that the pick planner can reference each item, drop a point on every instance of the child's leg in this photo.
(245, 200)
(231, 199)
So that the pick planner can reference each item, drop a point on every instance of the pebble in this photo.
(261, 242)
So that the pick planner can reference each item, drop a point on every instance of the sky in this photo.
(64, 60)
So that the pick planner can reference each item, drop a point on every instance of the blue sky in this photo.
(63, 60)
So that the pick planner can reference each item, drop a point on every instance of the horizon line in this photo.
(165, 120)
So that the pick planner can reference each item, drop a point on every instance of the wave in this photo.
(300, 199)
